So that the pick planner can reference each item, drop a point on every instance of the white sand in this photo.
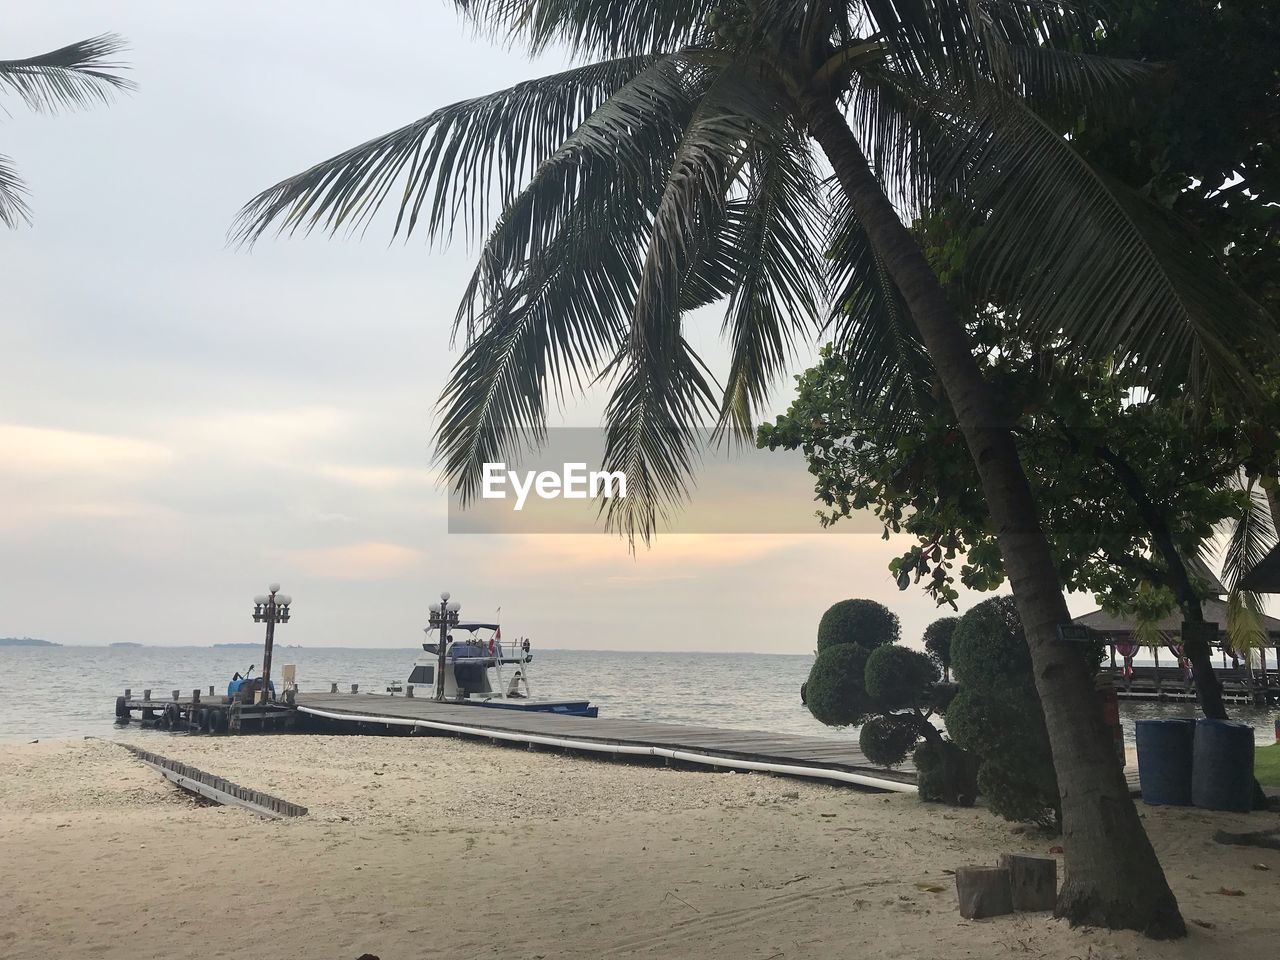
(431, 847)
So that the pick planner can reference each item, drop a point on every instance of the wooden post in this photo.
(355, 688)
(195, 696)
(176, 694)
(146, 694)
(1034, 881)
(128, 694)
(408, 690)
(984, 892)
(211, 689)
(333, 688)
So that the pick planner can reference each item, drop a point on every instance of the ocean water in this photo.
(50, 692)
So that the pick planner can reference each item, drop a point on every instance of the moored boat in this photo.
(478, 668)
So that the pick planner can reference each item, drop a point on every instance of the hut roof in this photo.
(1215, 611)
(1265, 577)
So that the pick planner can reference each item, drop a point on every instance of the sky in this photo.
(183, 421)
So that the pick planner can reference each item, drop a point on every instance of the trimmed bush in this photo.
(835, 693)
(898, 678)
(888, 739)
(996, 715)
(945, 773)
(863, 622)
(937, 642)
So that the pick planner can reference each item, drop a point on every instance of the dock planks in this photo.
(812, 757)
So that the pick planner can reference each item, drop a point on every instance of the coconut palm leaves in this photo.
(617, 196)
(75, 76)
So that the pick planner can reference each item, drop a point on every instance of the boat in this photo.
(483, 670)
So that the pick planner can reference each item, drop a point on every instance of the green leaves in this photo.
(78, 75)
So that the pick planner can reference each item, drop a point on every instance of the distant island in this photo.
(26, 642)
(253, 646)
(124, 643)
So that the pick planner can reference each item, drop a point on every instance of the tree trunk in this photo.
(1112, 876)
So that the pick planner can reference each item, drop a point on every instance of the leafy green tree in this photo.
(1130, 486)
(996, 714)
(77, 75)
(937, 643)
(693, 139)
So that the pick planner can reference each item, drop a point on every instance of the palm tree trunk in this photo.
(1112, 876)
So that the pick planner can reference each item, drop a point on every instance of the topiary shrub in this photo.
(945, 772)
(937, 643)
(996, 714)
(862, 622)
(888, 739)
(862, 677)
(898, 678)
(835, 692)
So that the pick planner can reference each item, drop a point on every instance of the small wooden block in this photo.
(984, 892)
(1034, 881)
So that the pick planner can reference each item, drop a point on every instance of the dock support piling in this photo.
(355, 688)
(177, 694)
(333, 688)
(195, 696)
(128, 694)
(408, 690)
(146, 694)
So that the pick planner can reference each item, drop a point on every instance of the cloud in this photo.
(43, 452)
(380, 477)
(370, 560)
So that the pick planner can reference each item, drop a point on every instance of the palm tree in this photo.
(679, 169)
(75, 76)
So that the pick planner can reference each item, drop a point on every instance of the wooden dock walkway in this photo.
(838, 761)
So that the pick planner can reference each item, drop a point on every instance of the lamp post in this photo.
(270, 609)
(443, 615)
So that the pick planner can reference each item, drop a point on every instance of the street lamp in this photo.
(443, 615)
(270, 609)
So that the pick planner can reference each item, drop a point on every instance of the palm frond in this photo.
(78, 75)
(870, 325)
(1081, 258)
(662, 391)
(1251, 539)
(780, 280)
(594, 27)
(13, 196)
(458, 164)
(620, 144)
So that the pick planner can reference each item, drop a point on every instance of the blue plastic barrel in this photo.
(1164, 760)
(1223, 775)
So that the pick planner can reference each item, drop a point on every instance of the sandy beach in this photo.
(423, 847)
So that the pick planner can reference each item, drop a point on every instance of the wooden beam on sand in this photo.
(217, 789)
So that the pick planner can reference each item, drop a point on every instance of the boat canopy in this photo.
(475, 626)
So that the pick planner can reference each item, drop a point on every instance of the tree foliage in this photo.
(1091, 442)
(996, 716)
(937, 642)
(864, 622)
(75, 76)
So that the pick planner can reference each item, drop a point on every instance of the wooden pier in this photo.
(201, 712)
(837, 761)
(1239, 685)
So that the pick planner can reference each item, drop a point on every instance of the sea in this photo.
(70, 691)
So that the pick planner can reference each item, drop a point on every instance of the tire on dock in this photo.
(217, 720)
(170, 718)
(122, 711)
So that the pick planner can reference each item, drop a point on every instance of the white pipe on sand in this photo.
(790, 770)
